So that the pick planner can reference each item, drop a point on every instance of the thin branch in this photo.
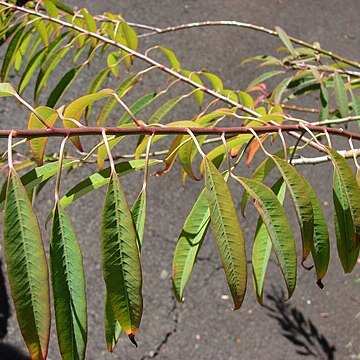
(169, 130)
(347, 154)
(156, 30)
(135, 54)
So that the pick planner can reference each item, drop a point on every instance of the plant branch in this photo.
(136, 54)
(156, 30)
(169, 130)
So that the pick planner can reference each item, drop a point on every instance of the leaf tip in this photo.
(320, 284)
(306, 267)
(132, 339)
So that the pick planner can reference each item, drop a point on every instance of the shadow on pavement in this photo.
(297, 329)
(7, 351)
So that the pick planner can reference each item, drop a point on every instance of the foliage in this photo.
(232, 124)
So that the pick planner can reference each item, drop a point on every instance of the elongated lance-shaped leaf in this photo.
(302, 202)
(278, 227)
(138, 212)
(68, 284)
(27, 268)
(227, 232)
(263, 245)
(340, 95)
(350, 189)
(189, 244)
(285, 40)
(121, 262)
(320, 250)
(348, 250)
(112, 327)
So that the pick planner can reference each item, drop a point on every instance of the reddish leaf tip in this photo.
(132, 339)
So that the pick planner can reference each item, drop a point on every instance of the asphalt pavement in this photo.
(314, 324)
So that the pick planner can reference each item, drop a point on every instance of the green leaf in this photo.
(246, 99)
(163, 110)
(38, 145)
(302, 203)
(68, 283)
(121, 90)
(37, 60)
(263, 245)
(64, 83)
(27, 268)
(11, 51)
(286, 41)
(214, 80)
(137, 106)
(102, 178)
(121, 263)
(263, 77)
(278, 227)
(350, 189)
(227, 232)
(340, 95)
(174, 62)
(189, 243)
(324, 103)
(112, 327)
(138, 212)
(320, 250)
(347, 246)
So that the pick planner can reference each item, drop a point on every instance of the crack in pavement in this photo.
(175, 312)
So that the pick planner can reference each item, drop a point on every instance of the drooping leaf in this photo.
(27, 268)
(214, 80)
(121, 263)
(227, 232)
(138, 212)
(189, 244)
(163, 110)
(246, 100)
(68, 283)
(350, 191)
(324, 103)
(348, 248)
(302, 203)
(340, 95)
(38, 145)
(278, 227)
(263, 245)
(320, 250)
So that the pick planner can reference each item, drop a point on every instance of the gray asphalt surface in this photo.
(314, 324)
